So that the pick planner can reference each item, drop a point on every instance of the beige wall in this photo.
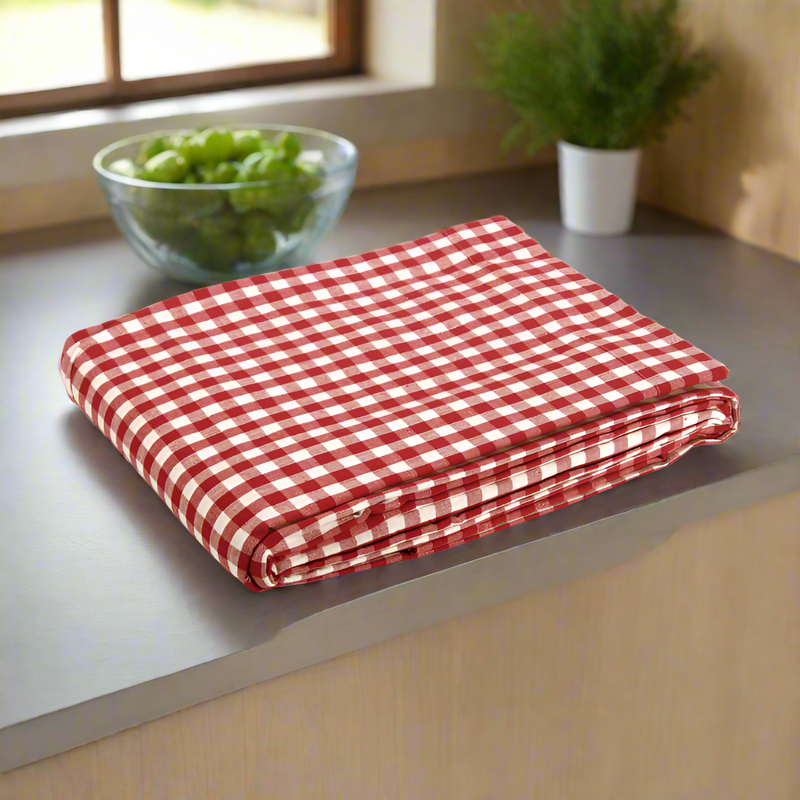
(458, 23)
(736, 164)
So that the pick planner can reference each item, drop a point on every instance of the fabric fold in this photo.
(345, 415)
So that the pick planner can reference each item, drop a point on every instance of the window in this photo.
(61, 54)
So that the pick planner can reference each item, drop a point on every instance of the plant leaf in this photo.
(609, 74)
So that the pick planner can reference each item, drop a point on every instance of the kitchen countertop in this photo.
(112, 615)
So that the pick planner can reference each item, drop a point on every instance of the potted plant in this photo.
(603, 78)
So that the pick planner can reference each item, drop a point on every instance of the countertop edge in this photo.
(438, 597)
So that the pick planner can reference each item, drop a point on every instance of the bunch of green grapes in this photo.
(218, 228)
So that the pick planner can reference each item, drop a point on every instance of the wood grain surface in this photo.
(670, 677)
(735, 164)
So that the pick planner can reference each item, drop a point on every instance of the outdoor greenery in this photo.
(607, 74)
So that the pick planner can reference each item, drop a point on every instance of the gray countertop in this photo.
(112, 615)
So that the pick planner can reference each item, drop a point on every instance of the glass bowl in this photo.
(209, 233)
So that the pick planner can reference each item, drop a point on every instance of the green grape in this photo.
(249, 163)
(213, 242)
(203, 203)
(126, 167)
(150, 148)
(282, 198)
(221, 250)
(168, 166)
(223, 223)
(288, 146)
(246, 143)
(312, 178)
(209, 147)
(226, 172)
(295, 219)
(219, 145)
(258, 237)
(192, 148)
(173, 203)
(259, 246)
(255, 222)
(254, 168)
(177, 140)
(244, 200)
(271, 168)
(279, 197)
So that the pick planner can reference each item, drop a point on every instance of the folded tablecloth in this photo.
(349, 414)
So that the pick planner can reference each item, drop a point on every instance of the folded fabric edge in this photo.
(268, 574)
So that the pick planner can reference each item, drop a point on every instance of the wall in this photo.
(736, 164)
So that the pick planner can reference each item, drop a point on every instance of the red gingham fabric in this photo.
(345, 415)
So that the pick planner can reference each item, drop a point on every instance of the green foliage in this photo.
(607, 74)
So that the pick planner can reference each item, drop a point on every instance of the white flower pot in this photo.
(598, 188)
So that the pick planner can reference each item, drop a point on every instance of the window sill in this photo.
(79, 134)
(251, 100)
(405, 132)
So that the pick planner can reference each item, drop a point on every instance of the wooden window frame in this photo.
(344, 29)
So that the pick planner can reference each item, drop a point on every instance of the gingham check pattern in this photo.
(349, 414)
